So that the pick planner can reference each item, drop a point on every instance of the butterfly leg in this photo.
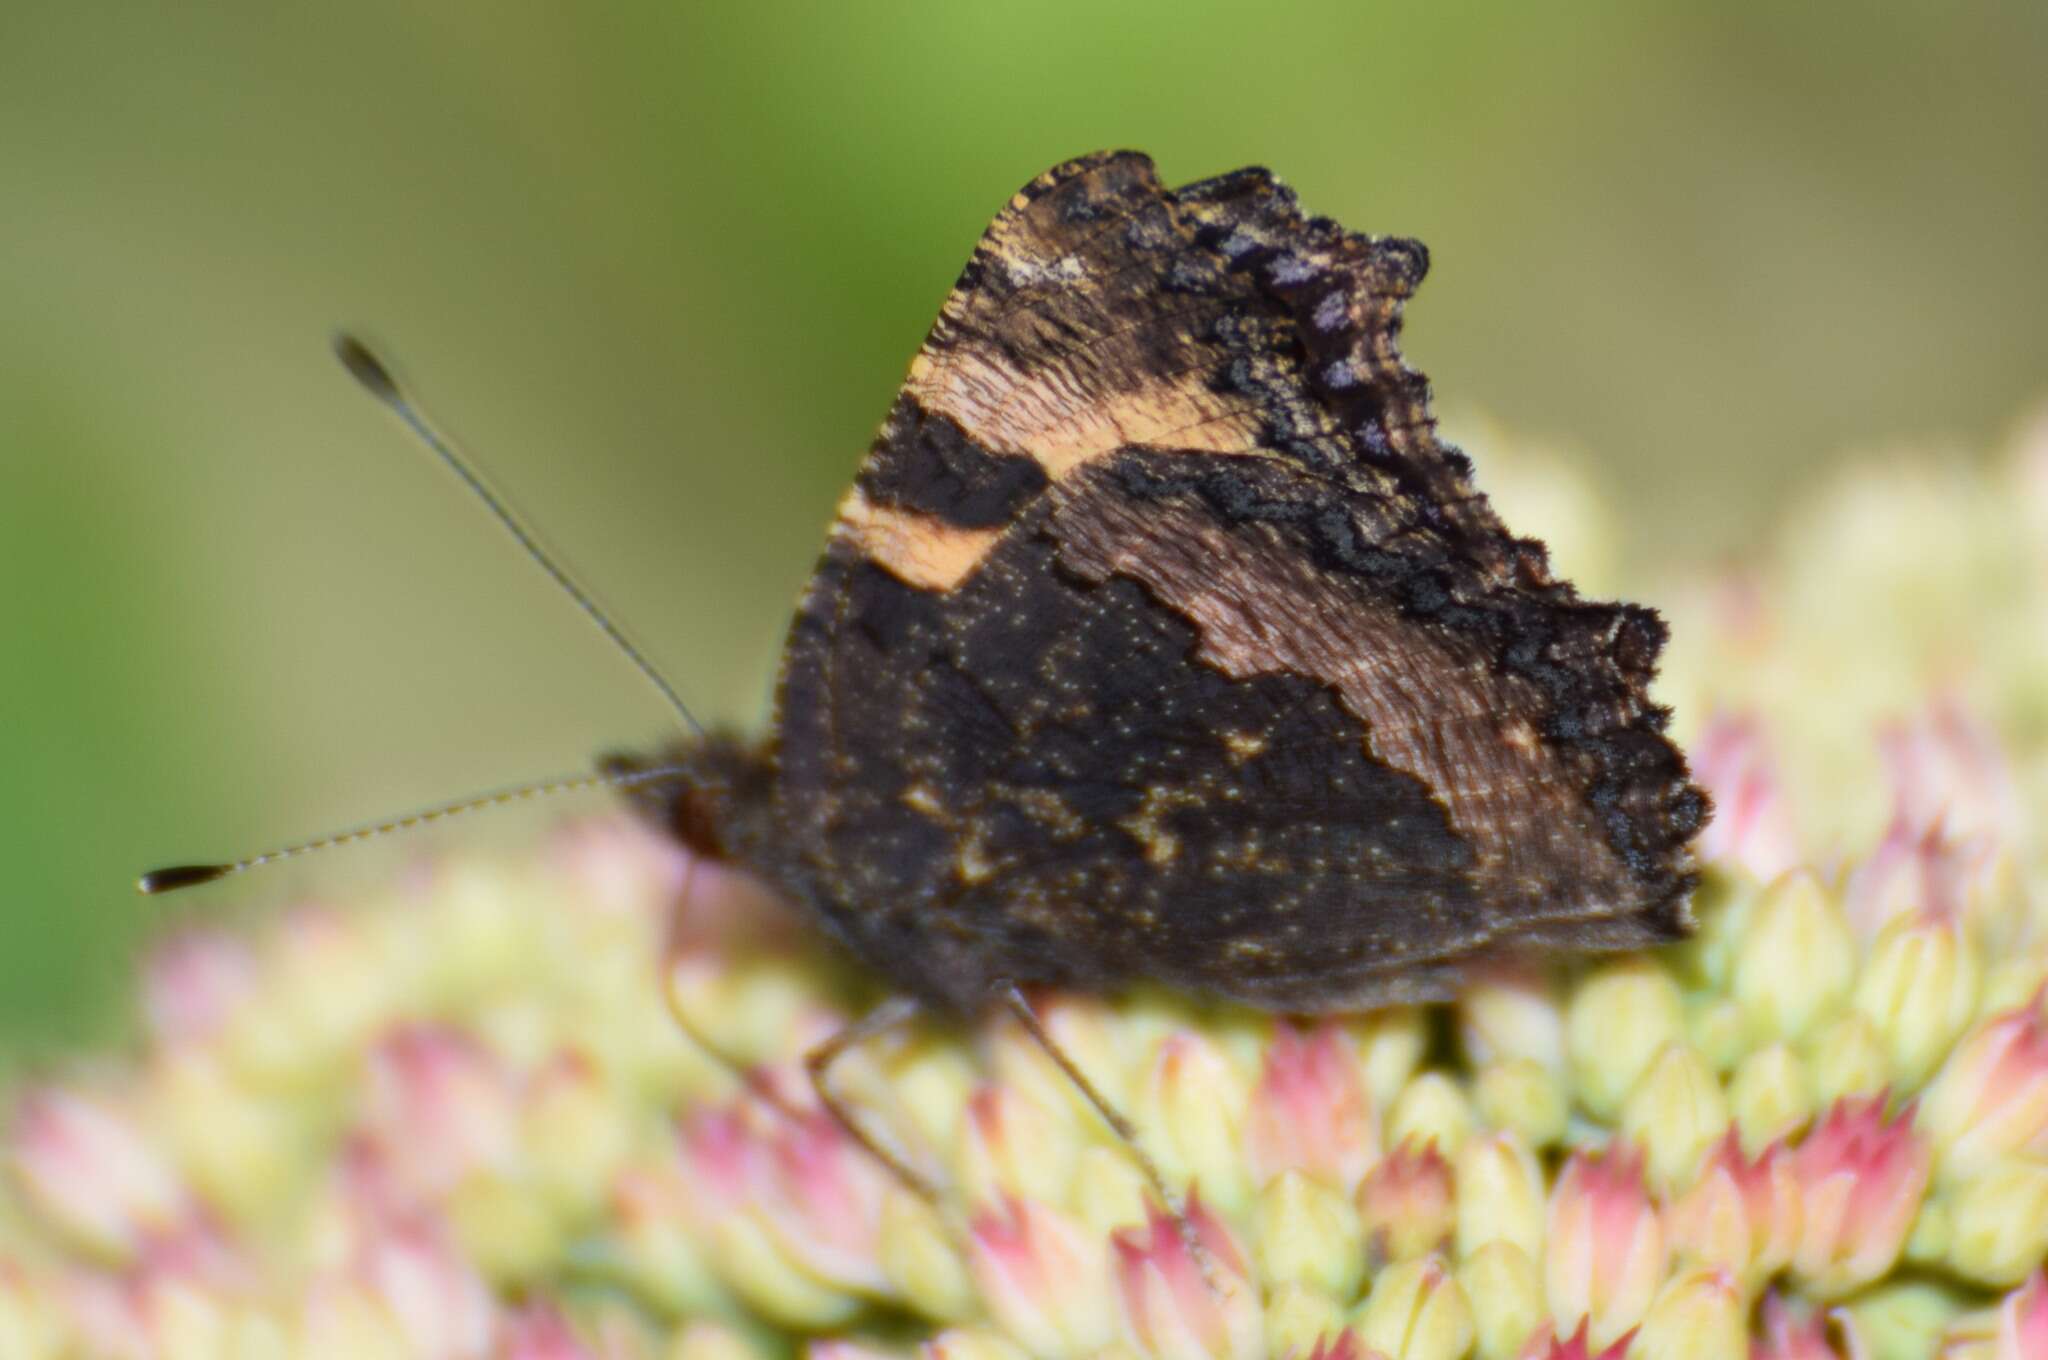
(818, 1062)
(1019, 1005)
(755, 1079)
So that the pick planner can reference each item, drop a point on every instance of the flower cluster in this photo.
(555, 1106)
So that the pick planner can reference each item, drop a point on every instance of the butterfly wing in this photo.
(1159, 637)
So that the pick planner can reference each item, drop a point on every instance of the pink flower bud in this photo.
(821, 1195)
(539, 1332)
(1546, 1345)
(1605, 1255)
(1920, 869)
(1861, 1178)
(1171, 1308)
(1791, 1333)
(1345, 1346)
(1946, 766)
(92, 1175)
(193, 982)
(440, 1109)
(1044, 1277)
(1310, 1112)
(1990, 1098)
(1010, 1144)
(1405, 1204)
(439, 1301)
(1738, 1213)
(2023, 1321)
(1752, 826)
(792, 1208)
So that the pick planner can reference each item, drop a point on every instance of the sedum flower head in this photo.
(474, 1114)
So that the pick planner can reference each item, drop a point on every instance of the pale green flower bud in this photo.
(1998, 1222)
(1432, 1108)
(243, 1151)
(1698, 1316)
(1416, 1311)
(1719, 1029)
(1619, 1018)
(1109, 1191)
(1900, 1320)
(712, 1341)
(1770, 1095)
(1675, 1113)
(29, 1324)
(1525, 1096)
(2014, 976)
(1505, 1292)
(1087, 1033)
(921, 1260)
(1846, 1057)
(1307, 1232)
(971, 1343)
(1919, 988)
(1298, 1316)
(1191, 1106)
(1500, 1195)
(1797, 959)
(575, 1133)
(1011, 1145)
(1509, 1013)
(1390, 1045)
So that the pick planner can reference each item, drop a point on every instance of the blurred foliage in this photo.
(662, 263)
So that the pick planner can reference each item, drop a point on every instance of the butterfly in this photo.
(1159, 639)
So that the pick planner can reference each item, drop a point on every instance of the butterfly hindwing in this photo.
(1159, 637)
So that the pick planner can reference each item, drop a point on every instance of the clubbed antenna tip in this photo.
(180, 876)
(366, 368)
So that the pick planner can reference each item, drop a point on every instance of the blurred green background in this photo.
(661, 264)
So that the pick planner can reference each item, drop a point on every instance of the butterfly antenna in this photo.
(366, 368)
(177, 876)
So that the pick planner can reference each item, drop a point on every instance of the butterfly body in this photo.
(1160, 639)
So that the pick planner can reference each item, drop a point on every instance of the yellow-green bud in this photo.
(1796, 960)
(1308, 1233)
(1390, 1045)
(1500, 1195)
(1505, 1292)
(1770, 1095)
(1619, 1018)
(1919, 988)
(1998, 1222)
(1675, 1113)
(1697, 1316)
(1191, 1103)
(1846, 1056)
(1523, 1095)
(1298, 1316)
(1416, 1311)
(1431, 1108)
(922, 1262)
